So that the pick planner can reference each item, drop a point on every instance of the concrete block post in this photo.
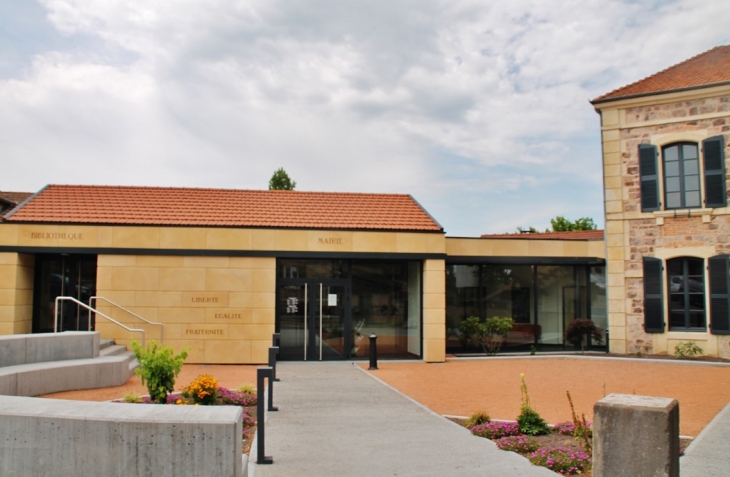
(636, 436)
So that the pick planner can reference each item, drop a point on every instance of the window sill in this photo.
(705, 213)
(694, 331)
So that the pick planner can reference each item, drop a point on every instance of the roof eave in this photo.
(657, 93)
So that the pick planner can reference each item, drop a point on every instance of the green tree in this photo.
(281, 181)
(561, 224)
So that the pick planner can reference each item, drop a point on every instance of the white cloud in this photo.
(478, 110)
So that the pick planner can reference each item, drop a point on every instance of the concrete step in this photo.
(133, 363)
(113, 350)
(104, 343)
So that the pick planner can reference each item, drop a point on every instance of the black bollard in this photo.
(273, 352)
(261, 373)
(373, 352)
(271, 392)
(276, 339)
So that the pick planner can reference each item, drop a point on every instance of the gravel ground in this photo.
(460, 387)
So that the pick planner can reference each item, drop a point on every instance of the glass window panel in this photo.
(686, 293)
(671, 153)
(312, 268)
(599, 313)
(674, 200)
(689, 151)
(414, 308)
(676, 320)
(692, 199)
(556, 292)
(462, 301)
(508, 291)
(691, 167)
(380, 305)
(671, 169)
(672, 184)
(697, 320)
(696, 268)
(691, 183)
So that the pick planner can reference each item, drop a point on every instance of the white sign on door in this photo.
(331, 299)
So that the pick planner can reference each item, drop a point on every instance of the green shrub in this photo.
(493, 333)
(687, 350)
(476, 418)
(469, 336)
(488, 335)
(529, 421)
(158, 368)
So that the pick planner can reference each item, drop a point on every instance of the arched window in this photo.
(686, 292)
(686, 184)
(681, 176)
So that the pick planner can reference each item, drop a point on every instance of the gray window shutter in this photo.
(649, 177)
(713, 150)
(653, 304)
(719, 295)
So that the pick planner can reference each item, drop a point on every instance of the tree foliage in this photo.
(561, 224)
(281, 181)
(158, 368)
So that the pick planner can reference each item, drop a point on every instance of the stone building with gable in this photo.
(664, 141)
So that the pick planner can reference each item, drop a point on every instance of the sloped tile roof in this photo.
(15, 197)
(574, 235)
(8, 200)
(706, 69)
(222, 207)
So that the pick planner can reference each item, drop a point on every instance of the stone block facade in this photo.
(701, 232)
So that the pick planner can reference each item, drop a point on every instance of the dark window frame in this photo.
(682, 176)
(710, 176)
(684, 289)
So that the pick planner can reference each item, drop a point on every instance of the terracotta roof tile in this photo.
(9, 200)
(574, 235)
(15, 197)
(224, 207)
(706, 69)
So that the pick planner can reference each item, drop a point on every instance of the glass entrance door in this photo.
(63, 275)
(313, 320)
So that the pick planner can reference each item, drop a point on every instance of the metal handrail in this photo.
(128, 311)
(69, 298)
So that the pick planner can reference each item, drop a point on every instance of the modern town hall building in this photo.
(219, 271)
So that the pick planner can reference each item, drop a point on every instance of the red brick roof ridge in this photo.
(616, 93)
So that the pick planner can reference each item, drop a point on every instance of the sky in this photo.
(478, 109)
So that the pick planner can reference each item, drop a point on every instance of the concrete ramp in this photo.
(335, 420)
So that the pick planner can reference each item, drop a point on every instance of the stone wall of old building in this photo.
(633, 234)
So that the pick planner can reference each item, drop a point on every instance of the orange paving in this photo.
(462, 387)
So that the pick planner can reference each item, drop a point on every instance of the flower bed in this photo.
(557, 451)
(245, 398)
